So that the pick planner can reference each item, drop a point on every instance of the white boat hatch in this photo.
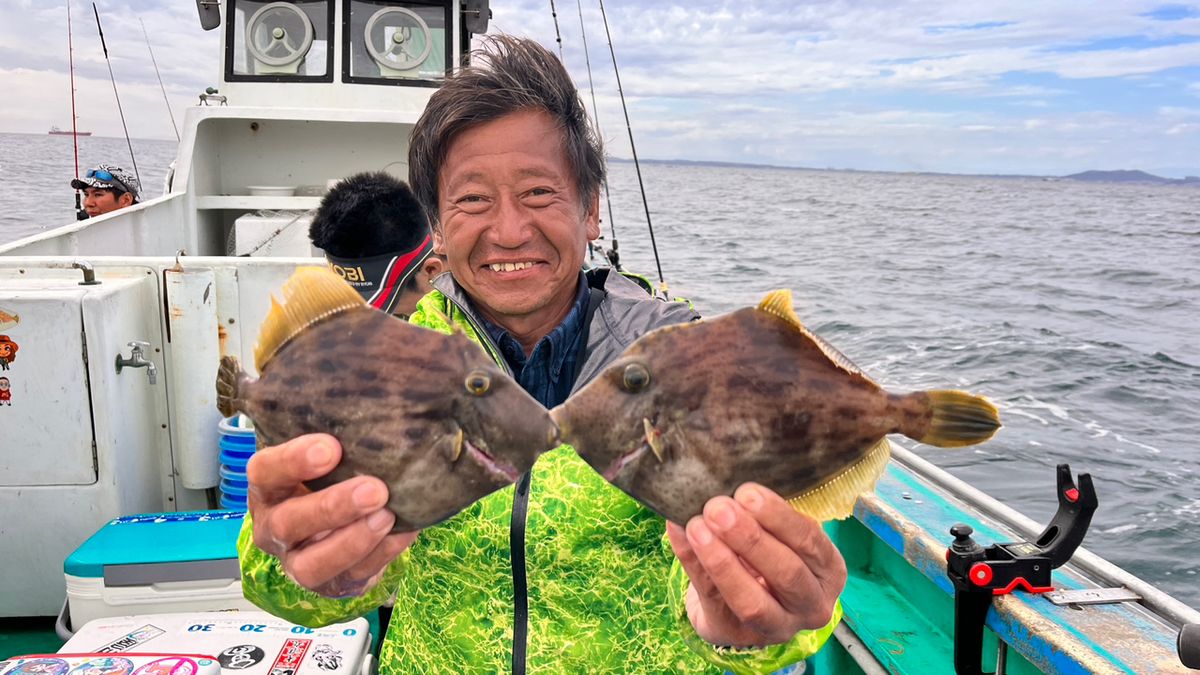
(74, 428)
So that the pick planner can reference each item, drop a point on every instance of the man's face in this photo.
(98, 201)
(512, 227)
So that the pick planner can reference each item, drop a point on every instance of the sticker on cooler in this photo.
(107, 664)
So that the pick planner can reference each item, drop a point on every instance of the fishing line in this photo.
(613, 255)
(636, 165)
(80, 214)
(113, 79)
(160, 82)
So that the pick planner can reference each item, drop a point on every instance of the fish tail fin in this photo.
(229, 384)
(835, 499)
(958, 419)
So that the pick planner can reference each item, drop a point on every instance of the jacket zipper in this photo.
(516, 526)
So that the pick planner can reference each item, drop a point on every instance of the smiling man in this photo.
(107, 188)
(564, 573)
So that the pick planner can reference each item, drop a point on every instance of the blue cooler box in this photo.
(153, 563)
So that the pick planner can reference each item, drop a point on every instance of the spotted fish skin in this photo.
(430, 414)
(692, 411)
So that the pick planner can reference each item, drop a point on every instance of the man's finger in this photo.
(299, 519)
(739, 590)
(274, 473)
(346, 548)
(701, 583)
(796, 531)
(387, 551)
(785, 573)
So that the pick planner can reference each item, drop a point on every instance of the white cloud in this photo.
(901, 84)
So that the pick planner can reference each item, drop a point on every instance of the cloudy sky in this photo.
(1031, 87)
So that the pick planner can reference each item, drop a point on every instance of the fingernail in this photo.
(320, 454)
(380, 520)
(722, 516)
(750, 498)
(366, 496)
(700, 533)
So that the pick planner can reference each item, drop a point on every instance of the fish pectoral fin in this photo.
(835, 498)
(654, 440)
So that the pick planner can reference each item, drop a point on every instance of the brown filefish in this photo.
(692, 411)
(428, 413)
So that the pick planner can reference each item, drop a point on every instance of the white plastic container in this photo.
(155, 562)
(89, 598)
(246, 643)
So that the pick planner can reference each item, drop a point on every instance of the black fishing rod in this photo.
(113, 79)
(557, 35)
(160, 82)
(80, 214)
(614, 256)
(636, 165)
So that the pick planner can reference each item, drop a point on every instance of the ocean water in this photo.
(1074, 306)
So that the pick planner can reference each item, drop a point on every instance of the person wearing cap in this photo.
(376, 237)
(107, 188)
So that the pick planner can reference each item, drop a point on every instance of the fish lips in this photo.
(600, 452)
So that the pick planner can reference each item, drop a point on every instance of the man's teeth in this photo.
(510, 267)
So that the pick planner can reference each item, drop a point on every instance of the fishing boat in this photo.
(55, 131)
(120, 321)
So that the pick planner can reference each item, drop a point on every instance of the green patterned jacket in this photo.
(606, 594)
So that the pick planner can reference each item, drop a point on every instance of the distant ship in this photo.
(55, 131)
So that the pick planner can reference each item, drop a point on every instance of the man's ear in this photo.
(433, 266)
(592, 217)
(126, 199)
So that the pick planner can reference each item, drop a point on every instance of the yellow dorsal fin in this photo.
(309, 295)
(779, 303)
(835, 499)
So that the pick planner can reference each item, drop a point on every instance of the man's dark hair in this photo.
(507, 75)
(366, 215)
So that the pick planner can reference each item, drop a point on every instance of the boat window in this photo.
(279, 41)
(395, 42)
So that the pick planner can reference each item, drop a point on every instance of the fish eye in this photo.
(478, 383)
(636, 378)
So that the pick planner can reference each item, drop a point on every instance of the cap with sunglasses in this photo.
(109, 177)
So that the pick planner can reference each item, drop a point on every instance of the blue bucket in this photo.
(237, 445)
(233, 503)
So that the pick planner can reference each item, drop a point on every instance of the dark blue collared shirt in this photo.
(549, 372)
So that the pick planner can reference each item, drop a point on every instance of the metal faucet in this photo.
(137, 359)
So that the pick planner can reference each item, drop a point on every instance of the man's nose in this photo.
(513, 225)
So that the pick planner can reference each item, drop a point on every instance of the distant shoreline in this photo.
(1091, 176)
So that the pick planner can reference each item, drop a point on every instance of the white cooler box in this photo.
(155, 562)
(245, 643)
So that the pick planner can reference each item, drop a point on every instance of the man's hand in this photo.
(760, 571)
(335, 541)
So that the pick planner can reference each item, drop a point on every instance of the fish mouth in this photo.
(650, 441)
(495, 467)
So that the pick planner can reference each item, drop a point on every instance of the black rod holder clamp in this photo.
(979, 574)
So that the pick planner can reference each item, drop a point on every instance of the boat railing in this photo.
(152, 227)
(1084, 561)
